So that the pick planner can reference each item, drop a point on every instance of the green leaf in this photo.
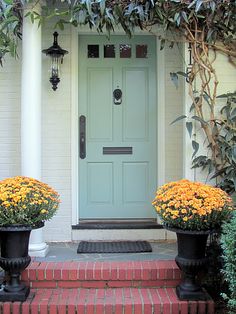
(199, 119)
(182, 74)
(8, 1)
(195, 146)
(179, 118)
(174, 78)
(234, 153)
(198, 5)
(189, 126)
(233, 114)
(162, 45)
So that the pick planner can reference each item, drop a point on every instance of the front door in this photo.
(117, 127)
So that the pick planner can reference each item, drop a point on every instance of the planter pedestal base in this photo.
(200, 295)
(14, 296)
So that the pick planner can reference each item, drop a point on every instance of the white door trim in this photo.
(74, 117)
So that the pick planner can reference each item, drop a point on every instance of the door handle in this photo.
(82, 137)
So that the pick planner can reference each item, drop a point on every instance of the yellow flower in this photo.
(23, 200)
(43, 211)
(192, 205)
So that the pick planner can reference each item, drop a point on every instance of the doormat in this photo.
(114, 247)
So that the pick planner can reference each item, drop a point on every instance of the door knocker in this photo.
(117, 96)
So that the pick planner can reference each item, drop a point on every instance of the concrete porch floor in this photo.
(67, 251)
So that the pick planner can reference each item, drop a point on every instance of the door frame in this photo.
(160, 98)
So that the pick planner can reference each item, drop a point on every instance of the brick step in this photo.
(102, 274)
(106, 301)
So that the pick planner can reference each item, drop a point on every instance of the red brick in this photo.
(57, 271)
(34, 308)
(165, 301)
(147, 304)
(16, 307)
(71, 308)
(43, 309)
(99, 307)
(61, 309)
(137, 301)
(65, 272)
(6, 307)
(121, 271)
(73, 273)
(128, 307)
(25, 308)
(32, 274)
(210, 307)
(93, 284)
(106, 271)
(44, 284)
(41, 271)
(97, 274)
(49, 273)
(69, 284)
(114, 271)
(90, 305)
(89, 271)
(155, 299)
(53, 302)
(192, 307)
(129, 271)
(137, 270)
(173, 300)
(184, 307)
(81, 271)
(109, 301)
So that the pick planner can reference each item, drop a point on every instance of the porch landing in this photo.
(67, 251)
(65, 282)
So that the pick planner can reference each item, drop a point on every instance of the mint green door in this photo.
(118, 127)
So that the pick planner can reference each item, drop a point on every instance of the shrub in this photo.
(228, 243)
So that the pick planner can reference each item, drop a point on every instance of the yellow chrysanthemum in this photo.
(26, 201)
(192, 205)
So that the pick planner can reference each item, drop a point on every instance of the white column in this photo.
(31, 117)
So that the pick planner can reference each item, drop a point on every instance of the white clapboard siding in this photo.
(173, 109)
(10, 81)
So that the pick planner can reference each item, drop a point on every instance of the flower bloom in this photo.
(26, 201)
(192, 205)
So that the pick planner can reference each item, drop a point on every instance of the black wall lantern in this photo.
(56, 53)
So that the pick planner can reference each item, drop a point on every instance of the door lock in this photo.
(82, 137)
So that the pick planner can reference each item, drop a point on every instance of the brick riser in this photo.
(102, 274)
(107, 301)
(145, 287)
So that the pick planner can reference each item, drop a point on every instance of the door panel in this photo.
(99, 109)
(117, 179)
(135, 182)
(100, 193)
(136, 103)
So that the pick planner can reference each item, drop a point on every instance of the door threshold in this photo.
(117, 224)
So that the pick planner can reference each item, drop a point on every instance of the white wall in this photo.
(226, 75)
(173, 109)
(56, 137)
(10, 78)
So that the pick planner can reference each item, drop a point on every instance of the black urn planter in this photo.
(191, 260)
(14, 259)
